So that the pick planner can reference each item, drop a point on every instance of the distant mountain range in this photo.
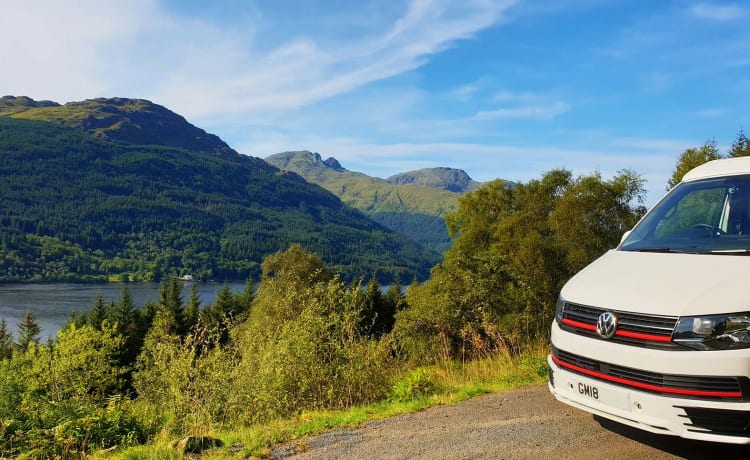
(127, 188)
(413, 203)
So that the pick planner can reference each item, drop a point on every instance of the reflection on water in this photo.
(52, 303)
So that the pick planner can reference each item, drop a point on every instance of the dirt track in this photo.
(519, 424)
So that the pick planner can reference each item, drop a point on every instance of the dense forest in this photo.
(76, 207)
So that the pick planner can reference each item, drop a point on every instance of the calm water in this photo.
(52, 303)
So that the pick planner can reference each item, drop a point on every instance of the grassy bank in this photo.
(417, 389)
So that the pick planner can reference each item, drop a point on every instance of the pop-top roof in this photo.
(719, 168)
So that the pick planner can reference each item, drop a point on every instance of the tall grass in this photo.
(448, 382)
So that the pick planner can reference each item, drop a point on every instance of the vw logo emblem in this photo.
(606, 325)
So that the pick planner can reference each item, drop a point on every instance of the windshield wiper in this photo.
(665, 250)
(731, 252)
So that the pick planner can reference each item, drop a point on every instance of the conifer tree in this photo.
(170, 302)
(126, 318)
(692, 158)
(394, 295)
(98, 313)
(28, 331)
(371, 321)
(740, 146)
(6, 341)
(223, 313)
(124, 312)
(193, 307)
(245, 299)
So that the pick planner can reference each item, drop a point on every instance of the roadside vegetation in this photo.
(306, 351)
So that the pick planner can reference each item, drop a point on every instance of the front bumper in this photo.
(688, 417)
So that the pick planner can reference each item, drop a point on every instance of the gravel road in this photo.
(526, 423)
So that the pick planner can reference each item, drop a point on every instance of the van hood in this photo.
(663, 283)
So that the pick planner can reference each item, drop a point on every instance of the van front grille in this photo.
(651, 331)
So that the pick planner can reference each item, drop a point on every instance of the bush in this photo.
(303, 347)
(416, 384)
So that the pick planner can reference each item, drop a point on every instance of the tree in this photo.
(126, 318)
(193, 307)
(28, 331)
(394, 296)
(98, 313)
(692, 158)
(124, 313)
(740, 146)
(170, 302)
(285, 273)
(225, 312)
(315, 357)
(513, 249)
(378, 313)
(372, 309)
(6, 341)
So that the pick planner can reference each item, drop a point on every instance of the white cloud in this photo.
(303, 71)
(718, 12)
(542, 112)
(510, 96)
(711, 113)
(70, 51)
(464, 92)
(54, 50)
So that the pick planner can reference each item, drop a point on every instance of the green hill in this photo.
(412, 203)
(110, 186)
(135, 121)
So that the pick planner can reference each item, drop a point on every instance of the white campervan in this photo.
(655, 334)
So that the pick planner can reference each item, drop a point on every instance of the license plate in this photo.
(602, 394)
(588, 390)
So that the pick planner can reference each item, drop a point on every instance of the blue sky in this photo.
(502, 89)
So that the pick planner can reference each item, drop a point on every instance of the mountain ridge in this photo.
(134, 121)
(412, 208)
(450, 179)
(85, 199)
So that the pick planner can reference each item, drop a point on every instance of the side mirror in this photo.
(625, 236)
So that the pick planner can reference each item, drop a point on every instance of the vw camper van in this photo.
(655, 334)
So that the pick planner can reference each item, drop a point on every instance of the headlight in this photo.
(715, 332)
(559, 309)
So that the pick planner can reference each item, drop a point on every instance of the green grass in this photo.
(451, 383)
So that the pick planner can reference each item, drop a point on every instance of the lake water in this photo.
(52, 303)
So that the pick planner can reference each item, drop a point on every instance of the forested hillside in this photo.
(413, 204)
(83, 202)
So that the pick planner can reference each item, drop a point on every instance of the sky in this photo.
(499, 88)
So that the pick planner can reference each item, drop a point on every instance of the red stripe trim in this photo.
(640, 336)
(620, 332)
(646, 386)
(578, 324)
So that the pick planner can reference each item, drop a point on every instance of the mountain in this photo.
(450, 179)
(126, 188)
(414, 205)
(135, 121)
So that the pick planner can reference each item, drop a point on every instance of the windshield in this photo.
(706, 216)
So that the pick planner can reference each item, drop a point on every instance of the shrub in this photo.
(417, 383)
